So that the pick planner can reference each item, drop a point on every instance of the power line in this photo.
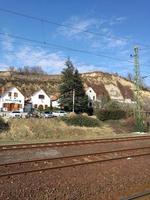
(70, 26)
(97, 65)
(48, 21)
(62, 47)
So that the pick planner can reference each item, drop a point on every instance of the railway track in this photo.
(137, 196)
(41, 165)
(70, 143)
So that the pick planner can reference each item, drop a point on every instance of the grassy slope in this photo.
(30, 130)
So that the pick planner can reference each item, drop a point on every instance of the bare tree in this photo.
(130, 77)
(26, 70)
(11, 69)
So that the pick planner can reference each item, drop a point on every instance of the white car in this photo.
(16, 114)
(60, 113)
(47, 114)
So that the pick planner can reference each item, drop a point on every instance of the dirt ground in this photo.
(111, 180)
(105, 181)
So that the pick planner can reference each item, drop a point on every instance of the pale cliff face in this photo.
(114, 92)
(103, 83)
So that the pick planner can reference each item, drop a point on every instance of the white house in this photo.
(40, 100)
(11, 99)
(55, 101)
(91, 95)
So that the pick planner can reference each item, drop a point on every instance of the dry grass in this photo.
(31, 130)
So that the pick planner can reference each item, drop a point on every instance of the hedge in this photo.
(80, 120)
(110, 114)
(3, 125)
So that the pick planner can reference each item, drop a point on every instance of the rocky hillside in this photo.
(102, 83)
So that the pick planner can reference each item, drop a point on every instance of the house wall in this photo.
(40, 102)
(91, 94)
(56, 104)
(12, 100)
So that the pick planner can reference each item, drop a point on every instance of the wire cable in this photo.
(63, 47)
(70, 26)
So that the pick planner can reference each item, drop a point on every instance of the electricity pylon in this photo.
(137, 93)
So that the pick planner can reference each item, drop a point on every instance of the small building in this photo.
(91, 95)
(40, 100)
(55, 101)
(11, 99)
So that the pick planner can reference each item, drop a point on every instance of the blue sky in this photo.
(120, 26)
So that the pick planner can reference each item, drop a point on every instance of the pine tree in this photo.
(81, 99)
(71, 80)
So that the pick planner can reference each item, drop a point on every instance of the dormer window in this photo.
(41, 96)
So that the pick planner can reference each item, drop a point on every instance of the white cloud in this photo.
(116, 20)
(3, 67)
(29, 56)
(50, 62)
(77, 26)
(103, 37)
(7, 43)
(113, 42)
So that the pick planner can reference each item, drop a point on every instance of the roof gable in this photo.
(41, 91)
(5, 90)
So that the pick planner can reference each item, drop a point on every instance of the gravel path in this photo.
(106, 181)
(101, 181)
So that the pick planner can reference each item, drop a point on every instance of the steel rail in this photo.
(74, 164)
(72, 156)
(136, 196)
(70, 143)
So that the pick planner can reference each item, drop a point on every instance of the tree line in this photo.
(27, 70)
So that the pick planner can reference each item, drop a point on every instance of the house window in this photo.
(93, 98)
(19, 106)
(15, 94)
(46, 106)
(5, 105)
(35, 106)
(41, 96)
(9, 94)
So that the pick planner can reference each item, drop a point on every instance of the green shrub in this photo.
(110, 114)
(3, 125)
(112, 105)
(81, 120)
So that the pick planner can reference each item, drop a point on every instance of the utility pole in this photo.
(137, 93)
(73, 99)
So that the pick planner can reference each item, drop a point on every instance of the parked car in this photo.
(16, 114)
(47, 114)
(60, 113)
(34, 114)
